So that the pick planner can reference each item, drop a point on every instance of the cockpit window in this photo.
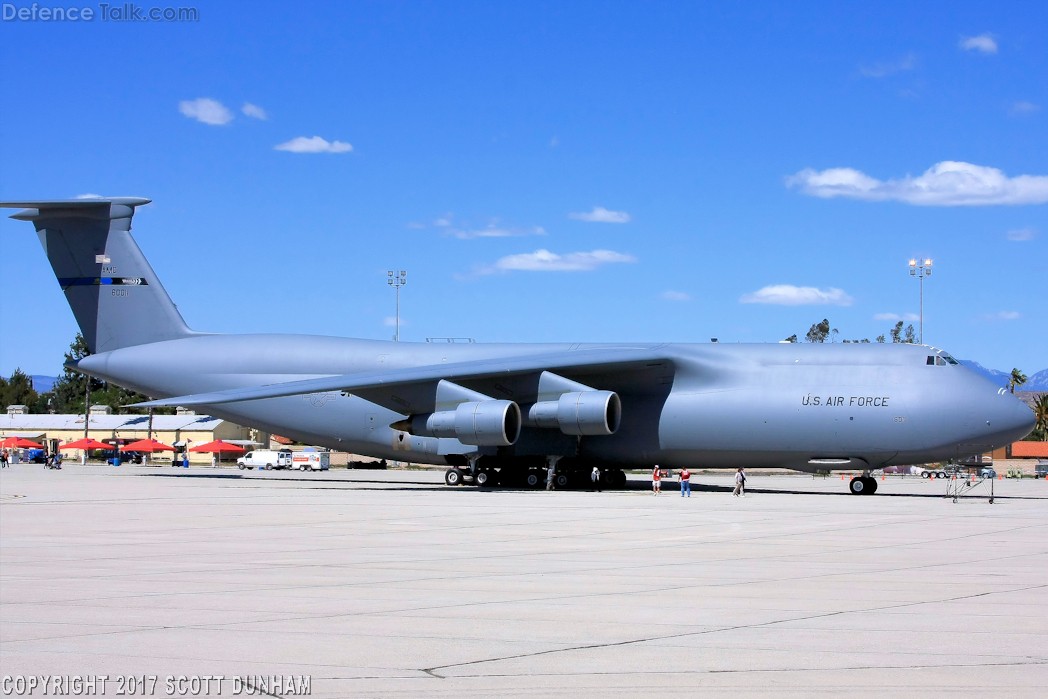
(942, 359)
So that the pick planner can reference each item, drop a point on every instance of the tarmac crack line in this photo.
(434, 671)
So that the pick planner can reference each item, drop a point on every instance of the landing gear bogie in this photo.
(863, 485)
(486, 478)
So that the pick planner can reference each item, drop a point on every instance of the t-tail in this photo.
(114, 293)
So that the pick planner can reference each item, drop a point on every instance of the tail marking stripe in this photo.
(66, 282)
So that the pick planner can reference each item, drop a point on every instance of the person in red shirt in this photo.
(684, 475)
(656, 480)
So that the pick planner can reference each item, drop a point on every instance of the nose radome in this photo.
(1010, 417)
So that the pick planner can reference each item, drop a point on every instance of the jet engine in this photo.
(579, 413)
(494, 423)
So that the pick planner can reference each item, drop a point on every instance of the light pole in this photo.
(921, 268)
(397, 280)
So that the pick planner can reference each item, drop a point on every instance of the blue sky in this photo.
(605, 171)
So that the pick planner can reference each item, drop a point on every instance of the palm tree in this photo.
(1017, 379)
(1040, 414)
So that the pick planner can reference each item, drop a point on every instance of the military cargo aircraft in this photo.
(517, 413)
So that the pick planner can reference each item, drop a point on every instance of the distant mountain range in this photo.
(43, 384)
(1035, 383)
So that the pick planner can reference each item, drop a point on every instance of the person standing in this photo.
(3, 458)
(656, 480)
(740, 484)
(684, 475)
(185, 459)
(595, 477)
(551, 476)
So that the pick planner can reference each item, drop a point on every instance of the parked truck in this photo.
(265, 458)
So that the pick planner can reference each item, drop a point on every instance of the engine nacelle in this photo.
(579, 413)
(490, 423)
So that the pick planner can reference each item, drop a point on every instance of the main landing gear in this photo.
(863, 485)
(532, 478)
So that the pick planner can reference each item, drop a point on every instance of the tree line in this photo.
(821, 331)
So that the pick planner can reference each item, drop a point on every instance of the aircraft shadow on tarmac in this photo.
(635, 485)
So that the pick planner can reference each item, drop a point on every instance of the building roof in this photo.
(1030, 449)
(161, 423)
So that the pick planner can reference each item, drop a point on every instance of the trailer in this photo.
(311, 460)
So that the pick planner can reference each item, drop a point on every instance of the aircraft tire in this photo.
(562, 480)
(617, 478)
(533, 479)
(858, 486)
(484, 479)
(453, 476)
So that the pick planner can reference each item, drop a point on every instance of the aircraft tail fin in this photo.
(113, 292)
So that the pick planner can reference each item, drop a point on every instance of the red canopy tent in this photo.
(146, 445)
(20, 443)
(218, 447)
(86, 445)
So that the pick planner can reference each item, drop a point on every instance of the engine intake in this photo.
(494, 423)
(579, 413)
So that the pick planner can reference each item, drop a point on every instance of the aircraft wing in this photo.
(412, 390)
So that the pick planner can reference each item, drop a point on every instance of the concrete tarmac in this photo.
(389, 583)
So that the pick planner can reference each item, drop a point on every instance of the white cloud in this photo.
(206, 111)
(1004, 315)
(895, 317)
(601, 215)
(446, 224)
(1022, 107)
(670, 295)
(1021, 235)
(316, 144)
(948, 183)
(789, 295)
(494, 231)
(883, 70)
(254, 111)
(984, 43)
(546, 261)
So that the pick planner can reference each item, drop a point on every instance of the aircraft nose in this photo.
(1009, 419)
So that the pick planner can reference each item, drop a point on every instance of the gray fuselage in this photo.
(800, 406)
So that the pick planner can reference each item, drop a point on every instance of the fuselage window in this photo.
(931, 360)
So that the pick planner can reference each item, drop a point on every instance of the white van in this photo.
(265, 458)
(311, 460)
